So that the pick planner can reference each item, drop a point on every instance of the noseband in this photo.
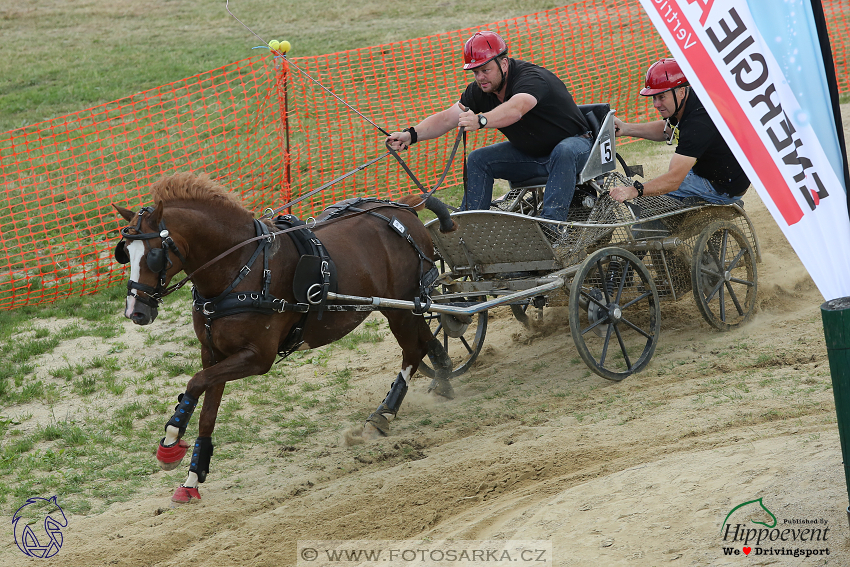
(157, 258)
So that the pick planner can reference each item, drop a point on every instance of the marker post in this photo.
(836, 330)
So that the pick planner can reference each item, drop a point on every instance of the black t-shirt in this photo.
(555, 116)
(699, 138)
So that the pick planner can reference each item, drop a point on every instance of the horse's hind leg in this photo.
(203, 449)
(443, 366)
(415, 339)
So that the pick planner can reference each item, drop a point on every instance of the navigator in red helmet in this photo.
(663, 75)
(547, 134)
(703, 166)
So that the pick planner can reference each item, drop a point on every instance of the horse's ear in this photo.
(126, 213)
(156, 215)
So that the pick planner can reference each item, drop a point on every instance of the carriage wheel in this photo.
(615, 313)
(461, 339)
(723, 275)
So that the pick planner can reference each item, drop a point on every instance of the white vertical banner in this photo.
(729, 63)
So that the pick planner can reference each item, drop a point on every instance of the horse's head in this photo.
(150, 250)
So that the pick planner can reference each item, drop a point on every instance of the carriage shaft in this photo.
(555, 282)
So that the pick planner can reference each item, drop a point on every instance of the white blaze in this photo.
(136, 250)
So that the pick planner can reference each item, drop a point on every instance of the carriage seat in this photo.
(595, 115)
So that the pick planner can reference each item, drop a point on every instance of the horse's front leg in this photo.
(202, 451)
(211, 382)
(172, 448)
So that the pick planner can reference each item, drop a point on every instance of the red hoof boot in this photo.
(183, 495)
(169, 456)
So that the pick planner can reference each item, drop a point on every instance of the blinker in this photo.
(156, 260)
(121, 255)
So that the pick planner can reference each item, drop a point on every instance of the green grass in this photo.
(57, 58)
(101, 435)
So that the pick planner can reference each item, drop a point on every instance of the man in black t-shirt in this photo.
(547, 133)
(703, 165)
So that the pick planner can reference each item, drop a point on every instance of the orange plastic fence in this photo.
(269, 133)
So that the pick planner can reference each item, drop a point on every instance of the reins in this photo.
(269, 213)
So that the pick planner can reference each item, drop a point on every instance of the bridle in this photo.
(157, 258)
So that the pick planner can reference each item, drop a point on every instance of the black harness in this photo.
(315, 273)
(426, 278)
(229, 302)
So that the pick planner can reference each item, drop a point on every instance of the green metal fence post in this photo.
(836, 331)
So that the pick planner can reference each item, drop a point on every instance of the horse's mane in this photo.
(186, 186)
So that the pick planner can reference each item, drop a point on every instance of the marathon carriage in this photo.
(610, 263)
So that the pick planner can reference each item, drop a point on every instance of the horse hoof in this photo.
(370, 432)
(442, 387)
(169, 456)
(376, 426)
(184, 495)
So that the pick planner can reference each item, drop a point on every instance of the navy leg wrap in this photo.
(394, 397)
(389, 406)
(182, 413)
(201, 453)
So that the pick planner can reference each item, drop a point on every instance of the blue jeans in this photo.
(696, 186)
(504, 161)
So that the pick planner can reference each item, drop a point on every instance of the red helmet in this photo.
(663, 75)
(482, 48)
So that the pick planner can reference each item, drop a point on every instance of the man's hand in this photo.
(623, 193)
(399, 140)
(468, 120)
(619, 127)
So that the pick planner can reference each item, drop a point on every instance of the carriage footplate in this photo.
(389, 406)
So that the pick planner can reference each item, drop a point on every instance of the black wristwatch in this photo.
(482, 121)
(639, 186)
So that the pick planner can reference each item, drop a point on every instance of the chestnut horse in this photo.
(379, 249)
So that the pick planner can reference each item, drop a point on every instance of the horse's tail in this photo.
(436, 206)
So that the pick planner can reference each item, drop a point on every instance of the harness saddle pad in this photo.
(308, 272)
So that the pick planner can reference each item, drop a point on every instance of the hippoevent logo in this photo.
(751, 528)
(49, 541)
